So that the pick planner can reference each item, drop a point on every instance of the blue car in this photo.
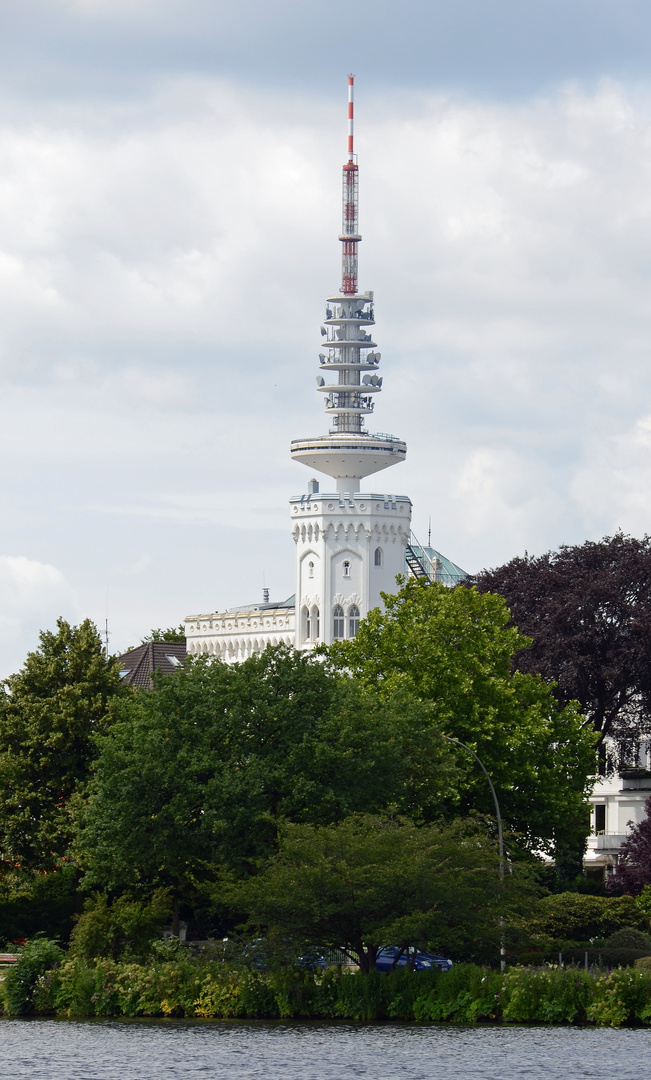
(423, 961)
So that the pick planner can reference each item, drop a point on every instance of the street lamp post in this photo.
(500, 835)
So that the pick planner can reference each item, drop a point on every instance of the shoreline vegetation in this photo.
(193, 987)
(295, 807)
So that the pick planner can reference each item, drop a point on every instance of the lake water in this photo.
(174, 1049)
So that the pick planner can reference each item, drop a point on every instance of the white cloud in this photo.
(162, 271)
(32, 596)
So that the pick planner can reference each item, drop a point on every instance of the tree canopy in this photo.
(199, 771)
(453, 649)
(371, 881)
(171, 633)
(50, 713)
(587, 609)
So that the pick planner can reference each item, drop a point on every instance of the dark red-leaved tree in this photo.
(634, 867)
(588, 610)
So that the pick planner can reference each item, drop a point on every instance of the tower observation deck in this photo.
(348, 365)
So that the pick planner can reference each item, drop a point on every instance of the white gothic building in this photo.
(352, 540)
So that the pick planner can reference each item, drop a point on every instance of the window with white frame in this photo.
(353, 620)
(346, 568)
(378, 557)
(338, 622)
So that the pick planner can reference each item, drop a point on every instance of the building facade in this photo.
(349, 549)
(617, 804)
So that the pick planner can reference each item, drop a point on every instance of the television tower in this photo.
(349, 453)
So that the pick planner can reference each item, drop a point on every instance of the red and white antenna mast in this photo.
(349, 234)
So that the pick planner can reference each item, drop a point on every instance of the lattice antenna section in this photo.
(350, 237)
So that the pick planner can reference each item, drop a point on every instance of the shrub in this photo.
(463, 995)
(33, 903)
(36, 957)
(122, 929)
(574, 918)
(547, 997)
(190, 987)
(621, 997)
(629, 938)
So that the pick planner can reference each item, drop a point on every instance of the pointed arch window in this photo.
(310, 569)
(353, 620)
(378, 557)
(314, 624)
(338, 622)
(306, 623)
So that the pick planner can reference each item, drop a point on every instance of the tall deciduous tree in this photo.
(370, 881)
(453, 649)
(199, 771)
(50, 713)
(587, 609)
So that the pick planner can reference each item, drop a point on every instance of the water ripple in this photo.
(175, 1049)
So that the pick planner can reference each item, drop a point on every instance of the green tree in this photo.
(35, 958)
(50, 712)
(122, 929)
(371, 881)
(453, 649)
(198, 771)
(587, 610)
(172, 633)
(37, 902)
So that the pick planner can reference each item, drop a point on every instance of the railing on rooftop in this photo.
(423, 566)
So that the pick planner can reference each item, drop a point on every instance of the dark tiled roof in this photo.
(139, 664)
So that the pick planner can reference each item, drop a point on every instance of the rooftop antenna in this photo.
(106, 629)
(429, 532)
(349, 234)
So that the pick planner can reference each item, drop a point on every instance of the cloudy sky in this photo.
(169, 207)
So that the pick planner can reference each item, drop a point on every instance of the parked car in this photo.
(419, 960)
